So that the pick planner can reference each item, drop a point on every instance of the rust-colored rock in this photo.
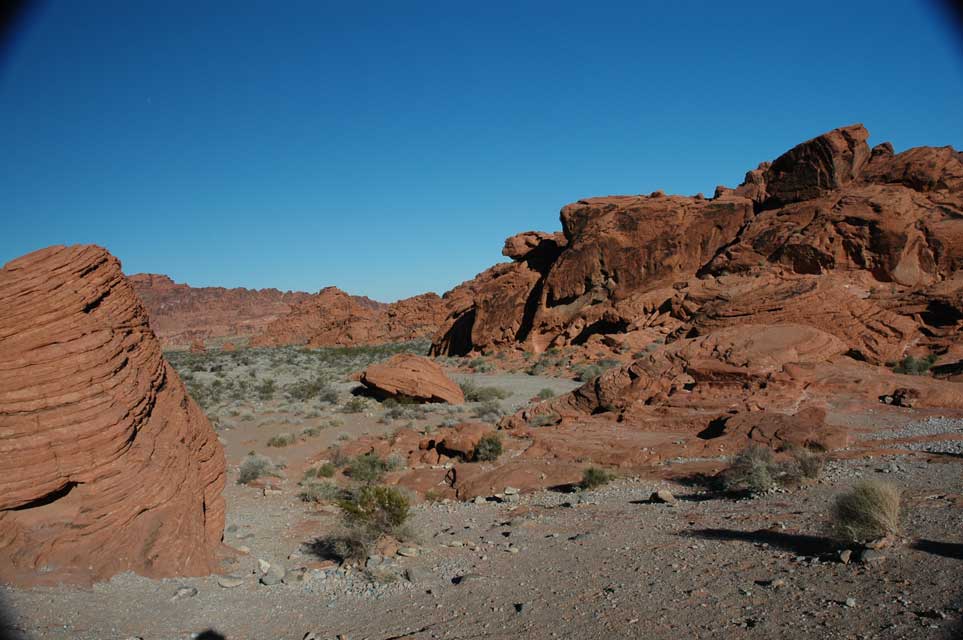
(334, 318)
(180, 314)
(413, 377)
(106, 464)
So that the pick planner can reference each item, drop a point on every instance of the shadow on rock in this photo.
(210, 634)
(800, 544)
(8, 630)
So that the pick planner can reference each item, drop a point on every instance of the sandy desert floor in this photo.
(605, 563)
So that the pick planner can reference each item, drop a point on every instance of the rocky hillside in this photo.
(106, 464)
(181, 315)
(864, 244)
(334, 318)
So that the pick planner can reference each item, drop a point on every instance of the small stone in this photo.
(230, 582)
(183, 593)
(480, 500)
(868, 556)
(511, 491)
(663, 496)
(467, 578)
(850, 602)
(408, 552)
(778, 583)
(274, 575)
(845, 555)
(513, 549)
(243, 549)
(263, 566)
(416, 575)
(456, 543)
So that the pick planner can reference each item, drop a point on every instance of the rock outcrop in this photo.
(861, 243)
(181, 315)
(412, 377)
(334, 318)
(106, 464)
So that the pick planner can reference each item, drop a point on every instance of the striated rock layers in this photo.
(181, 315)
(334, 318)
(106, 464)
(413, 377)
(864, 244)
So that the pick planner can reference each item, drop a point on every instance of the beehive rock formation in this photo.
(106, 464)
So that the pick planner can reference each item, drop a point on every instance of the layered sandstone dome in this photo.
(106, 464)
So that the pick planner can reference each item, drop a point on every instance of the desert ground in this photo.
(599, 563)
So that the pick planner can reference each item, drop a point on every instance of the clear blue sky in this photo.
(389, 148)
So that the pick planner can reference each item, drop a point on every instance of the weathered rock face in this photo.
(334, 318)
(857, 242)
(413, 377)
(181, 315)
(106, 464)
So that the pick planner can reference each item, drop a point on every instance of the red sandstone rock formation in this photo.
(862, 243)
(106, 464)
(414, 377)
(334, 318)
(181, 314)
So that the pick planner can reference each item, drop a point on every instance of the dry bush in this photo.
(488, 448)
(870, 510)
(754, 469)
(593, 477)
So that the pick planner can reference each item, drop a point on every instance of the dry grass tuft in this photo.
(869, 511)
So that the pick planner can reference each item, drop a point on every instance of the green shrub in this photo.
(281, 440)
(474, 393)
(310, 432)
(488, 448)
(588, 372)
(367, 468)
(375, 511)
(593, 477)
(321, 492)
(545, 394)
(489, 411)
(253, 467)
(915, 366)
(265, 390)
(869, 511)
(356, 404)
(303, 390)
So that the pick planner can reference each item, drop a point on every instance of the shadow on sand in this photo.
(798, 543)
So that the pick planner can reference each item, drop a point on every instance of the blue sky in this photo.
(388, 148)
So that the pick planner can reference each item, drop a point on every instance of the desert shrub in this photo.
(325, 470)
(367, 468)
(810, 464)
(488, 448)
(754, 469)
(537, 368)
(914, 366)
(253, 467)
(310, 432)
(869, 511)
(321, 492)
(356, 404)
(544, 420)
(593, 477)
(489, 411)
(585, 373)
(303, 390)
(545, 394)
(449, 422)
(474, 393)
(374, 511)
(281, 440)
(480, 365)
(265, 390)
(334, 423)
